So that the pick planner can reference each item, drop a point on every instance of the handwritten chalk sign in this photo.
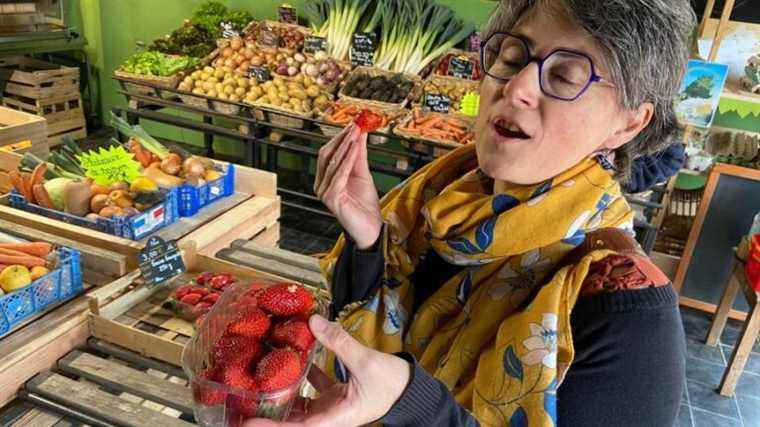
(267, 37)
(229, 30)
(261, 74)
(287, 14)
(473, 42)
(363, 49)
(160, 261)
(437, 102)
(314, 44)
(461, 67)
(108, 165)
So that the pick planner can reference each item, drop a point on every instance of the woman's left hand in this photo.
(377, 380)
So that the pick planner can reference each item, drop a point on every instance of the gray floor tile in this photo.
(703, 371)
(748, 385)
(753, 363)
(732, 332)
(684, 396)
(707, 419)
(705, 397)
(684, 417)
(750, 410)
(696, 348)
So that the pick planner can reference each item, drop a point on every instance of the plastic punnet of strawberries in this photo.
(250, 356)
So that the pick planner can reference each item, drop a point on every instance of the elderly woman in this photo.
(500, 284)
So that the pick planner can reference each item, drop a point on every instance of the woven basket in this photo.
(466, 85)
(168, 82)
(332, 89)
(268, 112)
(437, 151)
(373, 72)
(333, 129)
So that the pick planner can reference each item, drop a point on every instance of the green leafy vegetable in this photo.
(190, 39)
(209, 15)
(158, 64)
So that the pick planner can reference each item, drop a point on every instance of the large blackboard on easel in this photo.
(730, 202)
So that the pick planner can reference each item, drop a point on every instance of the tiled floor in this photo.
(701, 406)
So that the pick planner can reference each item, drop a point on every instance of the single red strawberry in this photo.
(286, 299)
(182, 291)
(203, 277)
(200, 290)
(295, 334)
(203, 305)
(191, 299)
(242, 408)
(211, 298)
(238, 374)
(278, 369)
(220, 281)
(252, 324)
(229, 346)
(207, 394)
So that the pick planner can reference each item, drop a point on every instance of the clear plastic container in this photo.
(196, 358)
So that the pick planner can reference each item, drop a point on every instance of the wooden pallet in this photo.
(104, 385)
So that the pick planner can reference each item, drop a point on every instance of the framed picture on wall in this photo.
(700, 92)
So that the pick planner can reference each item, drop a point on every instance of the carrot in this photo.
(430, 122)
(15, 178)
(42, 196)
(20, 182)
(12, 252)
(38, 175)
(27, 261)
(26, 181)
(38, 249)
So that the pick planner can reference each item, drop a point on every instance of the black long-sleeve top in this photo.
(629, 352)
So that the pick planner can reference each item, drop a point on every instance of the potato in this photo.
(188, 80)
(186, 87)
(212, 79)
(219, 73)
(255, 91)
(267, 85)
(242, 82)
(207, 86)
(229, 90)
(219, 87)
(284, 97)
(196, 74)
(205, 75)
(298, 93)
(208, 70)
(265, 100)
(275, 101)
(307, 81)
(223, 96)
(295, 102)
(240, 92)
(198, 91)
(313, 91)
(198, 83)
(234, 98)
(212, 93)
(272, 93)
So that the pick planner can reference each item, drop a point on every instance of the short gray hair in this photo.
(645, 46)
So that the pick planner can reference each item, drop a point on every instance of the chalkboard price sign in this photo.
(363, 49)
(261, 74)
(287, 14)
(314, 44)
(437, 102)
(473, 42)
(461, 67)
(267, 37)
(160, 261)
(229, 30)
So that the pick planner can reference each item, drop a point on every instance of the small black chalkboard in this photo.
(363, 49)
(473, 42)
(261, 74)
(314, 44)
(229, 30)
(160, 261)
(267, 37)
(287, 14)
(437, 102)
(461, 67)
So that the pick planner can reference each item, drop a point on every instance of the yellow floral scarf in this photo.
(498, 341)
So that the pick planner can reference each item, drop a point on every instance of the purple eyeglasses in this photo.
(563, 74)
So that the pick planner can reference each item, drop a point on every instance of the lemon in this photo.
(37, 272)
(15, 277)
(143, 184)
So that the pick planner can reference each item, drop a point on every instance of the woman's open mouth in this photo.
(509, 130)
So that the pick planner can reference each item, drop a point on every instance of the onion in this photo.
(236, 43)
(193, 166)
(292, 71)
(290, 61)
(321, 81)
(331, 75)
(320, 55)
(323, 67)
(282, 69)
(299, 57)
(311, 70)
(227, 52)
(172, 164)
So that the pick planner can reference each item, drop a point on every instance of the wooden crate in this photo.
(255, 207)
(130, 315)
(25, 130)
(47, 90)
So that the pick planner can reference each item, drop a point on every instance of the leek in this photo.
(137, 132)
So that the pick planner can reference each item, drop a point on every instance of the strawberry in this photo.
(220, 281)
(295, 334)
(207, 394)
(182, 291)
(278, 370)
(252, 324)
(229, 346)
(237, 374)
(242, 408)
(204, 277)
(286, 299)
(200, 290)
(203, 305)
(191, 299)
(211, 298)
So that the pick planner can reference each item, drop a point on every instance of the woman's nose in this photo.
(524, 89)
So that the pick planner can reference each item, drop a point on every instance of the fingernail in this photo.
(318, 323)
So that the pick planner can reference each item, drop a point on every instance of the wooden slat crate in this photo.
(253, 210)
(23, 130)
(47, 90)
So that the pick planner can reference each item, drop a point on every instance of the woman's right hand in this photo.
(345, 185)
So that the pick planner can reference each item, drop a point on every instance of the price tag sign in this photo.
(109, 165)
(160, 261)
(437, 102)
(267, 37)
(363, 49)
(473, 42)
(229, 30)
(261, 73)
(287, 14)
(461, 67)
(314, 44)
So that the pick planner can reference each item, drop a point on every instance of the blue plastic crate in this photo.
(192, 199)
(134, 228)
(59, 285)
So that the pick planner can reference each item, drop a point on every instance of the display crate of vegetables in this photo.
(442, 68)
(156, 68)
(197, 181)
(34, 276)
(277, 34)
(301, 98)
(379, 88)
(451, 130)
(341, 113)
(451, 87)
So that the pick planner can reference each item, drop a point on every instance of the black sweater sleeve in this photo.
(356, 275)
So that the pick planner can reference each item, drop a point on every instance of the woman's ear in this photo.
(633, 122)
